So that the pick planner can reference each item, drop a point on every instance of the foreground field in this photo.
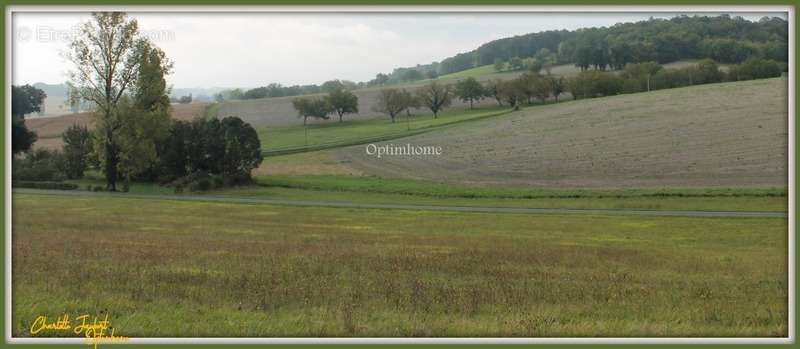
(199, 269)
(729, 134)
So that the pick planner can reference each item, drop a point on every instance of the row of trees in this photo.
(278, 90)
(433, 96)
(338, 101)
(531, 86)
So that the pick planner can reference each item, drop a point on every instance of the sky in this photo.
(255, 49)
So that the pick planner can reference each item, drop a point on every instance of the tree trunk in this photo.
(435, 115)
(111, 167)
(392, 118)
(340, 117)
(470, 104)
(304, 120)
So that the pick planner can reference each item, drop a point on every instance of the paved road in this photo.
(241, 200)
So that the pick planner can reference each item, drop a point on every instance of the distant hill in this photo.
(722, 38)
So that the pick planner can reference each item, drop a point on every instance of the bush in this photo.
(203, 184)
(39, 165)
(44, 185)
(595, 83)
(234, 180)
(755, 69)
(98, 188)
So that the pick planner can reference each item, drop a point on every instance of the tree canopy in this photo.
(312, 107)
(342, 102)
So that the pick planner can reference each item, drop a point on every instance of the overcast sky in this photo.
(254, 49)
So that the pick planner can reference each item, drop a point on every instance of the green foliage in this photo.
(490, 87)
(534, 65)
(26, 99)
(558, 85)
(391, 102)
(380, 79)
(272, 90)
(595, 83)
(229, 148)
(412, 75)
(242, 148)
(44, 185)
(722, 38)
(332, 85)
(342, 102)
(755, 68)
(106, 54)
(143, 121)
(512, 92)
(469, 90)
(77, 148)
(435, 97)
(499, 65)
(21, 138)
(312, 107)
(38, 165)
(516, 63)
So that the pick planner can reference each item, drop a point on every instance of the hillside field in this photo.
(49, 129)
(728, 134)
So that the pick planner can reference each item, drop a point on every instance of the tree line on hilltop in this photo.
(724, 39)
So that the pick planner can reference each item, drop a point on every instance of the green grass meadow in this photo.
(168, 268)
(348, 131)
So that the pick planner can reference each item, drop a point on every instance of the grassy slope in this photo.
(728, 134)
(200, 269)
(277, 138)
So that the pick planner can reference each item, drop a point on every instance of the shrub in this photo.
(595, 83)
(44, 185)
(755, 69)
(203, 184)
(98, 188)
(39, 165)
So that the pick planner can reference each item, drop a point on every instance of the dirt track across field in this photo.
(280, 202)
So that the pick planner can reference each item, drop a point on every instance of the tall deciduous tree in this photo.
(145, 122)
(435, 97)
(106, 56)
